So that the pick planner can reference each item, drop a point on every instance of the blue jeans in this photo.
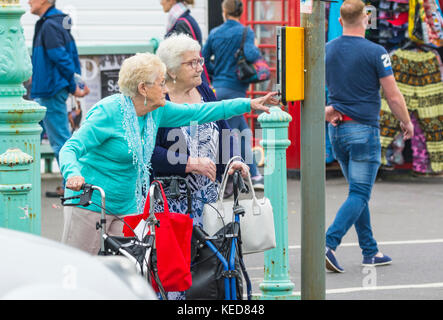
(357, 148)
(328, 147)
(55, 122)
(239, 123)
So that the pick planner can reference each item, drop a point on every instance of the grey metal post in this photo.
(312, 168)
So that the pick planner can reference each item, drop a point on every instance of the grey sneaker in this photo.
(258, 183)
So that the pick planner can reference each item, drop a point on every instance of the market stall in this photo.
(412, 32)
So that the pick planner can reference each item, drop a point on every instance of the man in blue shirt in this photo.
(55, 72)
(355, 70)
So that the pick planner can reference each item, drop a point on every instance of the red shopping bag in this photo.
(173, 242)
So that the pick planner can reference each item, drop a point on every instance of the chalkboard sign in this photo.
(109, 82)
(100, 73)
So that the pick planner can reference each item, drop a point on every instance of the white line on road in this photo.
(376, 288)
(355, 244)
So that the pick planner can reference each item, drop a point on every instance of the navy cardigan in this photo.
(159, 160)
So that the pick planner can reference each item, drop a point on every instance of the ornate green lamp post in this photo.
(276, 283)
(20, 195)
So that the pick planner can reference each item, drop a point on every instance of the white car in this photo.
(33, 267)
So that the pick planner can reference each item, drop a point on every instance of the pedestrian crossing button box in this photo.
(290, 63)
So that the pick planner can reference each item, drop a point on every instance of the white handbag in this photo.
(256, 226)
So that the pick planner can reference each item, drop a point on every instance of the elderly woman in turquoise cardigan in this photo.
(113, 147)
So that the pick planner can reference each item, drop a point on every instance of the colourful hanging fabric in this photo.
(425, 22)
(420, 155)
(419, 80)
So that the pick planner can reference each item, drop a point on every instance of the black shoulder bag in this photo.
(250, 72)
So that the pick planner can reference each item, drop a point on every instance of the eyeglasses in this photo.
(162, 84)
(194, 63)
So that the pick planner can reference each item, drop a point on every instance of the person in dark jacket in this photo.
(197, 152)
(222, 44)
(180, 21)
(55, 71)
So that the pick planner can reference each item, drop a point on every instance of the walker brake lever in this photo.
(85, 197)
(239, 182)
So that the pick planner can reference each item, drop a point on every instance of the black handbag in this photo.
(207, 270)
(248, 72)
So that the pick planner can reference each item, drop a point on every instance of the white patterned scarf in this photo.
(141, 143)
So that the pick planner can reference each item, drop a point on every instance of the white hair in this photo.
(143, 67)
(51, 1)
(171, 50)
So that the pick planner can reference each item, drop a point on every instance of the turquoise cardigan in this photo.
(99, 152)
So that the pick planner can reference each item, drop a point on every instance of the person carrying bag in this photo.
(257, 71)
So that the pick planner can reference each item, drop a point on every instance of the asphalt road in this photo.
(407, 219)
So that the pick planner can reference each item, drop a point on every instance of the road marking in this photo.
(355, 244)
(376, 288)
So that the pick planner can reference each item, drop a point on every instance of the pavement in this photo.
(407, 219)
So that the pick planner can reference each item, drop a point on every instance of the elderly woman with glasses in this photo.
(221, 45)
(197, 152)
(113, 147)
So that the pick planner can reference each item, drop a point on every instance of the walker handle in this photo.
(85, 197)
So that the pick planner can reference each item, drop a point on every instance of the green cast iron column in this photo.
(15, 168)
(312, 169)
(276, 283)
(19, 128)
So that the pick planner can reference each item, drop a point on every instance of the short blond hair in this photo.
(171, 50)
(142, 67)
(351, 11)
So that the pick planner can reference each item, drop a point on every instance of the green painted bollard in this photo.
(276, 283)
(19, 123)
(15, 168)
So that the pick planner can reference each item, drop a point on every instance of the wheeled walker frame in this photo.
(141, 252)
(227, 251)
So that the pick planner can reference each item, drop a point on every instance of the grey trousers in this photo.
(80, 231)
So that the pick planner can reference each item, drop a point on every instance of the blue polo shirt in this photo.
(354, 67)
